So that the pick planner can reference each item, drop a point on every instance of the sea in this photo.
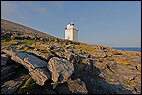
(128, 48)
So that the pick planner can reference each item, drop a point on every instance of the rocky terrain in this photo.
(33, 62)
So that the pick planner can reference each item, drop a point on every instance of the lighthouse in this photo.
(71, 33)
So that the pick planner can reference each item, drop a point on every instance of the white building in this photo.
(71, 33)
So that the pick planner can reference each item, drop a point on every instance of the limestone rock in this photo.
(39, 75)
(4, 59)
(7, 71)
(69, 56)
(20, 47)
(36, 66)
(98, 53)
(60, 69)
(72, 86)
(10, 87)
(41, 54)
(77, 86)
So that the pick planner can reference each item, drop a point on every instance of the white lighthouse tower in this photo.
(71, 33)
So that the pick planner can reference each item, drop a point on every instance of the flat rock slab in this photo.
(36, 66)
(40, 54)
(10, 87)
(60, 69)
(4, 59)
(39, 75)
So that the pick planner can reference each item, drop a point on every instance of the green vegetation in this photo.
(55, 50)
(76, 53)
(26, 42)
(108, 82)
(97, 57)
(26, 49)
(125, 87)
(29, 85)
(126, 82)
(101, 59)
(87, 48)
(110, 59)
(110, 76)
(3, 43)
(29, 42)
(130, 68)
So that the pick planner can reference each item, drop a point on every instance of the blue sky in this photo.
(107, 23)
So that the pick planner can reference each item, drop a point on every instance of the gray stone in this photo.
(36, 66)
(39, 75)
(60, 69)
(20, 47)
(10, 87)
(41, 54)
(6, 72)
(77, 86)
(69, 56)
(4, 59)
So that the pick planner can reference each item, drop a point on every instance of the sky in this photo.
(107, 23)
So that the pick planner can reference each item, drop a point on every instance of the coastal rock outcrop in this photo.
(35, 65)
(59, 66)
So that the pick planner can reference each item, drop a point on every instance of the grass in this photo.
(26, 42)
(87, 48)
(108, 82)
(29, 85)
(110, 76)
(110, 59)
(97, 57)
(55, 50)
(26, 49)
(130, 69)
(39, 47)
(126, 82)
(76, 53)
(122, 62)
(125, 87)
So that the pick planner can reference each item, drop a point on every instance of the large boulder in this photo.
(60, 69)
(36, 66)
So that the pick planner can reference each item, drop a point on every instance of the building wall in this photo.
(71, 33)
(75, 35)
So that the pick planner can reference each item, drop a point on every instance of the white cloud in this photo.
(8, 8)
(34, 7)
